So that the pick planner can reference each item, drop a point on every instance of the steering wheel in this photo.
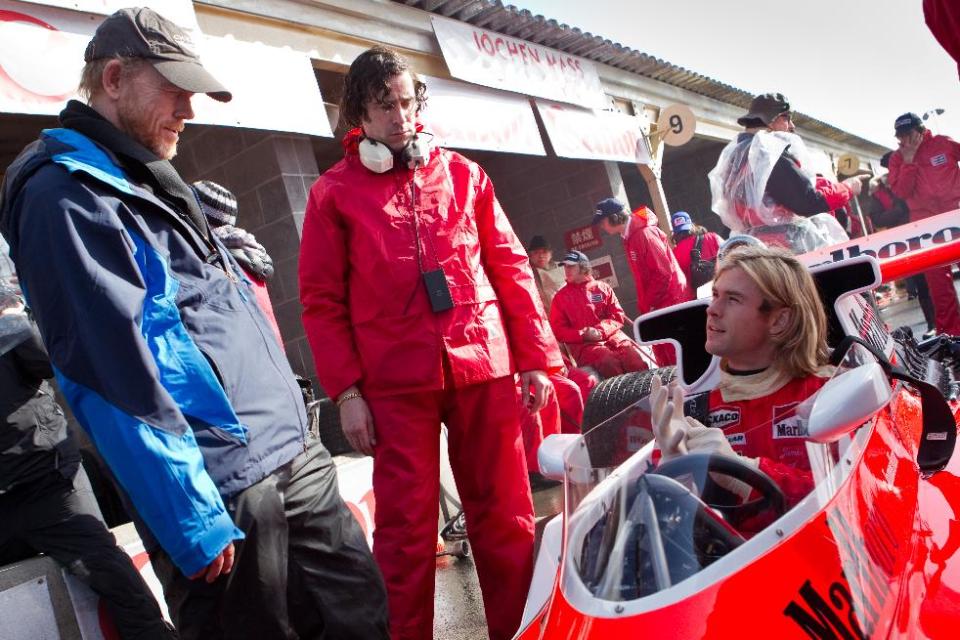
(701, 465)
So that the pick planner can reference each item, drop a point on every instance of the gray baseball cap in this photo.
(765, 108)
(143, 33)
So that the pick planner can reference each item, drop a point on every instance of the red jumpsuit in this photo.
(593, 304)
(767, 428)
(367, 238)
(659, 280)
(931, 185)
(709, 249)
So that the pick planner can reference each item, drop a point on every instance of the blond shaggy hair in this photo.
(801, 348)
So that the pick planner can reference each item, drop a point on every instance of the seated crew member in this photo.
(587, 317)
(767, 324)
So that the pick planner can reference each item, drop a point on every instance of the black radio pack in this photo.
(438, 290)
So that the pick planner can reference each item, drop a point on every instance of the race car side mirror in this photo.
(938, 437)
(847, 401)
(551, 454)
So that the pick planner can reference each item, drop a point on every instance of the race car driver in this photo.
(768, 326)
(420, 306)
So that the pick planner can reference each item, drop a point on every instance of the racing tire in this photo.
(615, 394)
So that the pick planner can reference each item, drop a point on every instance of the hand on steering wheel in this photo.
(703, 466)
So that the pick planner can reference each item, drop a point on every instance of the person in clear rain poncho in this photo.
(766, 183)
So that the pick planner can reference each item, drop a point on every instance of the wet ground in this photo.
(458, 606)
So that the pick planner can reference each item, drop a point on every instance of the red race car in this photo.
(703, 546)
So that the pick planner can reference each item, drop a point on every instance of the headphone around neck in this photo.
(379, 158)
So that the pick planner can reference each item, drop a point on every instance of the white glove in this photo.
(855, 185)
(666, 416)
(701, 439)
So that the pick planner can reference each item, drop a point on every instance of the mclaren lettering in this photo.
(821, 619)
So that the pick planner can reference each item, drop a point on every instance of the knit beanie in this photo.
(218, 203)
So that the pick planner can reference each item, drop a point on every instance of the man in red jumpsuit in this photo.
(768, 326)
(587, 317)
(659, 279)
(420, 307)
(924, 172)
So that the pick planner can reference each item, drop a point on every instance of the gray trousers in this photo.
(304, 569)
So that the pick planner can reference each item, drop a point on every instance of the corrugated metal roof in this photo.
(522, 24)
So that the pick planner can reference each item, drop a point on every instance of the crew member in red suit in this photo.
(686, 235)
(925, 173)
(587, 317)
(420, 308)
(768, 326)
(658, 277)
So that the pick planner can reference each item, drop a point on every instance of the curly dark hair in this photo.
(368, 79)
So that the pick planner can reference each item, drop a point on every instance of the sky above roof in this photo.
(855, 64)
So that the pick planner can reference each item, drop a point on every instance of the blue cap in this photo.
(681, 221)
(607, 207)
(906, 123)
(575, 257)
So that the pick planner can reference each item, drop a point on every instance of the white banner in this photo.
(41, 55)
(593, 135)
(893, 242)
(178, 11)
(273, 89)
(501, 62)
(465, 116)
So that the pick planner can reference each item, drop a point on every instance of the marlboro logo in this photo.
(914, 236)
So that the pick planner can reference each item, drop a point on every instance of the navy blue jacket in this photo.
(157, 342)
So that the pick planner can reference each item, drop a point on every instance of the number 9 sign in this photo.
(676, 125)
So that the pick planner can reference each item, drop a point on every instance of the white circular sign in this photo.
(848, 164)
(676, 125)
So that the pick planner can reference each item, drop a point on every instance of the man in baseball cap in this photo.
(656, 274)
(142, 33)
(748, 195)
(924, 172)
(195, 409)
(573, 258)
(770, 110)
(681, 221)
(587, 317)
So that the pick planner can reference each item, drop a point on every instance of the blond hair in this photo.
(801, 348)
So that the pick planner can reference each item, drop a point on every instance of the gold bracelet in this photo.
(350, 396)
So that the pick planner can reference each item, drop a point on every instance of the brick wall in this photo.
(549, 196)
(687, 187)
(270, 173)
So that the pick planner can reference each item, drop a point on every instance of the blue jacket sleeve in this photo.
(93, 287)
